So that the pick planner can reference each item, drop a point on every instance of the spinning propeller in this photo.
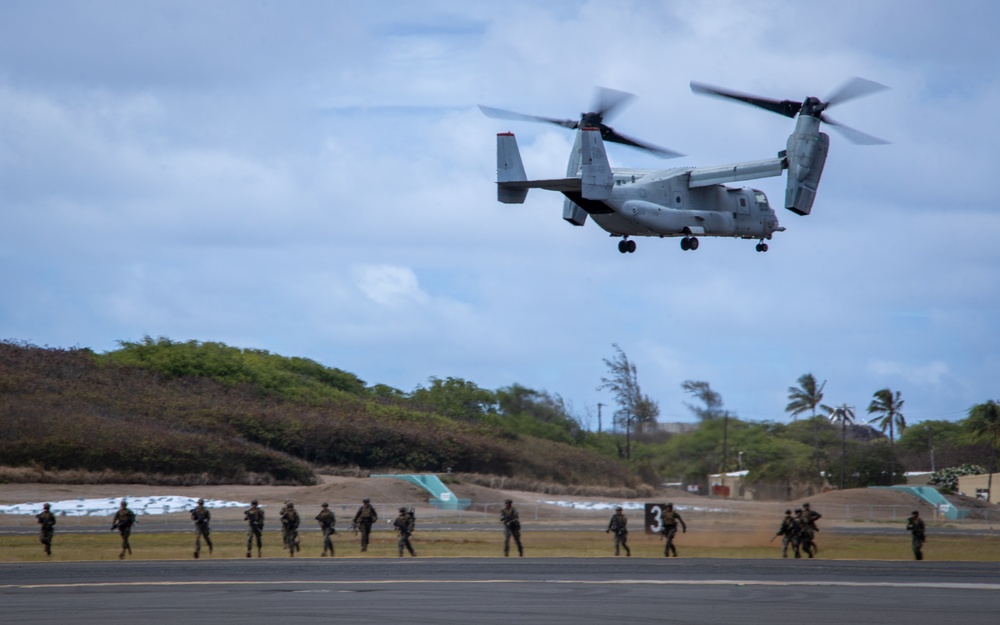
(812, 106)
(606, 101)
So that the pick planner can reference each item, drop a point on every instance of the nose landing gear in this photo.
(689, 243)
(625, 246)
(762, 247)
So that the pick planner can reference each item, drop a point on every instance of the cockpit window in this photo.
(761, 198)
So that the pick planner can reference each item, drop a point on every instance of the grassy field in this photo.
(173, 546)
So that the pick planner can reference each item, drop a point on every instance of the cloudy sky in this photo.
(315, 179)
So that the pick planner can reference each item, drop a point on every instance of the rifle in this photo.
(773, 537)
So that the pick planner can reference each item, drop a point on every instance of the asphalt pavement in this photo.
(581, 591)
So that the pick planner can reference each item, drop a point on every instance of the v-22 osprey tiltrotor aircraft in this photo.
(685, 202)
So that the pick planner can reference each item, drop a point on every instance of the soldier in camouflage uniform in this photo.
(405, 524)
(363, 520)
(255, 525)
(619, 525)
(915, 525)
(123, 521)
(808, 530)
(511, 527)
(201, 516)
(789, 532)
(48, 523)
(670, 520)
(290, 527)
(327, 521)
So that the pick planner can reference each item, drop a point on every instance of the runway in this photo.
(503, 591)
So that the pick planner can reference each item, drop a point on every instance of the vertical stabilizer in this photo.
(509, 169)
(571, 212)
(596, 171)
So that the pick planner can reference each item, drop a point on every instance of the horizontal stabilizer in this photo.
(750, 170)
(563, 185)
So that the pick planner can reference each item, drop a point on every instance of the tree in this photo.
(710, 412)
(623, 382)
(807, 396)
(844, 415)
(889, 406)
(456, 398)
(984, 423)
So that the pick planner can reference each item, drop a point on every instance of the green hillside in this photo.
(171, 412)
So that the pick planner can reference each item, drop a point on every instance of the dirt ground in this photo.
(344, 492)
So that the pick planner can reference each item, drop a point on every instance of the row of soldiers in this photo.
(798, 530)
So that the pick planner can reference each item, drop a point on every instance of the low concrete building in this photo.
(977, 486)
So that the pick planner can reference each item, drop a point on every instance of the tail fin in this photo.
(597, 178)
(509, 169)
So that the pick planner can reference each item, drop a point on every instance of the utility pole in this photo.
(599, 404)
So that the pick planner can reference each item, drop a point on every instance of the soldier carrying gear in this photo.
(363, 520)
(915, 525)
(808, 529)
(255, 526)
(405, 524)
(327, 520)
(201, 516)
(48, 523)
(123, 521)
(670, 520)
(619, 525)
(789, 532)
(290, 528)
(511, 527)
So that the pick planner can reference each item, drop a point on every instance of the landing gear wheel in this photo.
(623, 246)
(693, 244)
(762, 247)
(630, 246)
(685, 244)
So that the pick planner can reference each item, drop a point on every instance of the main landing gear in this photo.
(625, 246)
(689, 243)
(762, 247)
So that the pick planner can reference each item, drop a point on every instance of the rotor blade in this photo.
(609, 134)
(606, 101)
(781, 107)
(854, 88)
(496, 113)
(852, 135)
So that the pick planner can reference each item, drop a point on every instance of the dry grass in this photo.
(173, 546)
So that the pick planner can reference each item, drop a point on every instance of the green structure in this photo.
(933, 497)
(441, 497)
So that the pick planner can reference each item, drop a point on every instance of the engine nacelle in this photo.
(806, 152)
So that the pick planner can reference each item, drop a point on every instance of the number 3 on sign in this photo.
(656, 525)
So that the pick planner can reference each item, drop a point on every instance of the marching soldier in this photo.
(255, 526)
(48, 523)
(290, 527)
(789, 532)
(201, 516)
(670, 520)
(123, 521)
(619, 525)
(327, 521)
(363, 520)
(511, 528)
(915, 525)
(405, 524)
(808, 529)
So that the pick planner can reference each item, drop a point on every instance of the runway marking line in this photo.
(709, 582)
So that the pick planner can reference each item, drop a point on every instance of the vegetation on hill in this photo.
(222, 414)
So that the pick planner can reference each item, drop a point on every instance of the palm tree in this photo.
(984, 422)
(807, 396)
(888, 405)
(845, 415)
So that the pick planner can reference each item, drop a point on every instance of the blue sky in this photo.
(315, 179)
